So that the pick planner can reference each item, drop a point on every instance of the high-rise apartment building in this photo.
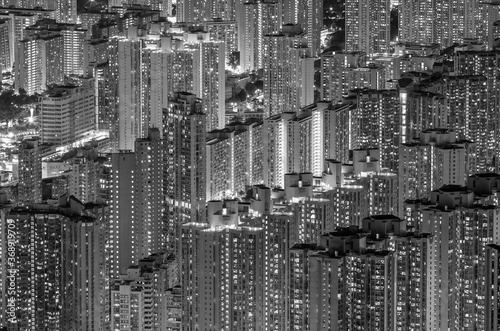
(148, 199)
(54, 187)
(138, 298)
(67, 114)
(184, 164)
(462, 228)
(248, 33)
(342, 72)
(469, 63)
(301, 77)
(477, 63)
(213, 83)
(256, 19)
(375, 124)
(287, 146)
(219, 168)
(487, 14)
(436, 159)
(445, 22)
(492, 314)
(371, 76)
(84, 180)
(173, 306)
(275, 57)
(56, 276)
(455, 21)
(472, 115)
(94, 51)
(332, 283)
(89, 19)
(412, 252)
(343, 281)
(30, 172)
(298, 144)
(351, 203)
(186, 65)
(234, 159)
(421, 111)
(312, 216)
(288, 72)
(222, 272)
(168, 67)
(225, 31)
(5, 308)
(269, 238)
(322, 136)
(121, 220)
(309, 15)
(360, 188)
(39, 63)
(136, 203)
(190, 255)
(5, 60)
(383, 188)
(405, 59)
(73, 39)
(127, 63)
(275, 249)
(464, 102)
(275, 149)
(154, 86)
(342, 136)
(193, 10)
(299, 291)
(208, 76)
(416, 20)
(66, 11)
(334, 67)
(104, 76)
(73, 42)
(412, 292)
(367, 25)
(17, 23)
(164, 6)
(107, 29)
